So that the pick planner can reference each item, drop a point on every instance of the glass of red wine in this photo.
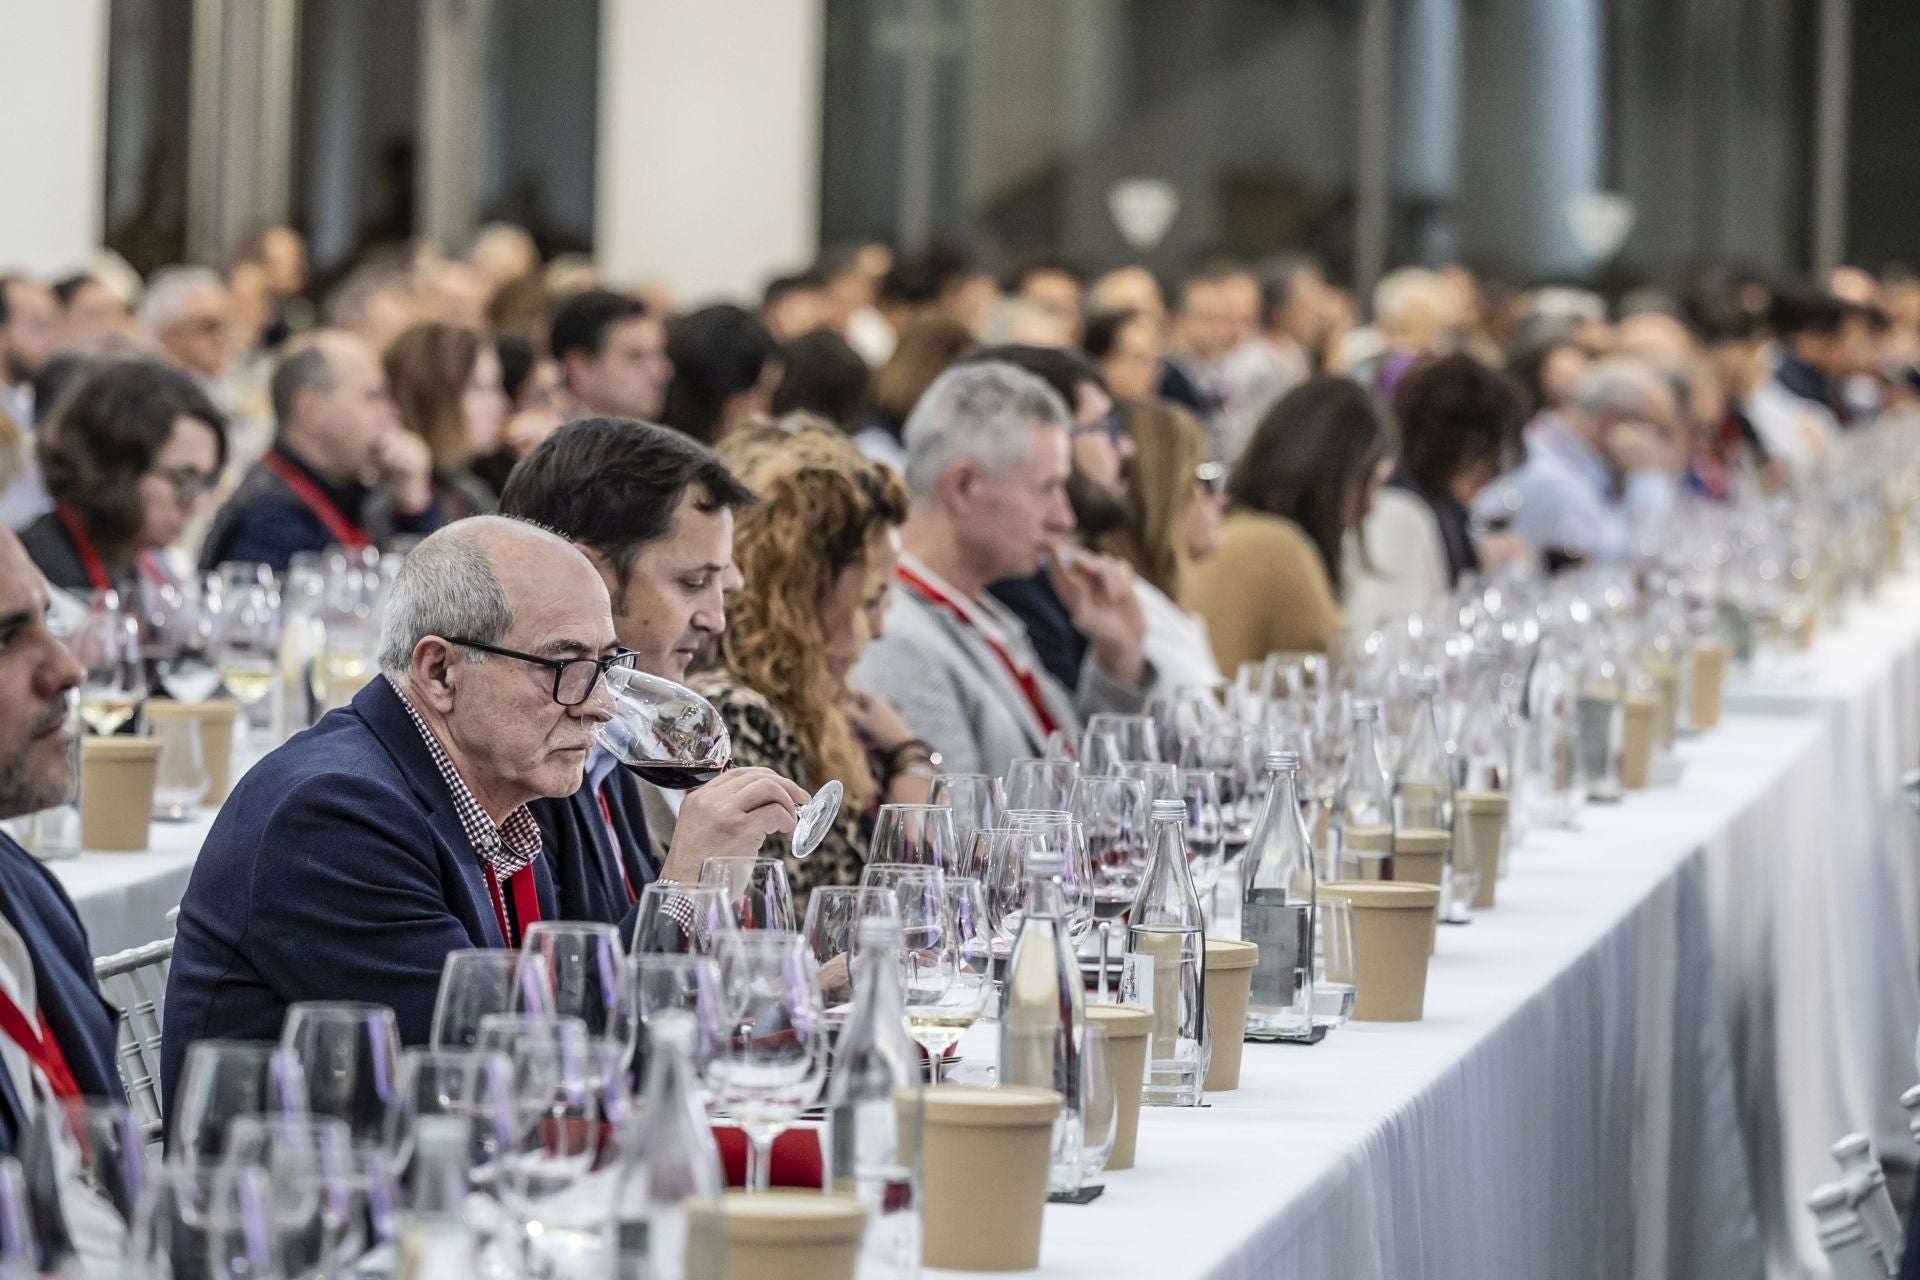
(674, 738)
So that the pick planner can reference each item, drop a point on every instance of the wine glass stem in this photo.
(759, 1159)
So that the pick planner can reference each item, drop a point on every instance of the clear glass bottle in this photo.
(1360, 829)
(1556, 782)
(1276, 909)
(1602, 711)
(1166, 926)
(436, 1241)
(1042, 1012)
(1484, 761)
(1423, 794)
(670, 1159)
(876, 1103)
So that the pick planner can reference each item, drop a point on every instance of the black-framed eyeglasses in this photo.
(1211, 476)
(574, 679)
(1109, 424)
(188, 485)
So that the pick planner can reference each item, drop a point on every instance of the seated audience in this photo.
(56, 1033)
(793, 305)
(1052, 286)
(725, 367)
(90, 312)
(128, 459)
(653, 512)
(350, 861)
(612, 352)
(926, 348)
(311, 490)
(988, 459)
(1800, 410)
(1216, 309)
(1127, 346)
(186, 310)
(817, 553)
(445, 382)
(1600, 478)
(1299, 491)
(1459, 430)
(823, 375)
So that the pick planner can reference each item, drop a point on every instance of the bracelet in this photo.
(916, 749)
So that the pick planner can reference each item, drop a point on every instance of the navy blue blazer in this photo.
(337, 870)
(81, 1020)
(591, 868)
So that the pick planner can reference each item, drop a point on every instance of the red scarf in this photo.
(1024, 677)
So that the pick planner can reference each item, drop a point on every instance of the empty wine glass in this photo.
(180, 774)
(689, 984)
(1039, 784)
(1099, 752)
(317, 1194)
(832, 930)
(1199, 791)
(1158, 779)
(1113, 812)
(1336, 975)
(1068, 838)
(974, 799)
(558, 1178)
(1133, 735)
(1232, 755)
(349, 1050)
(682, 919)
(919, 833)
(756, 890)
(476, 983)
(586, 967)
(1060, 746)
(470, 1085)
(674, 738)
(206, 1222)
(179, 640)
(223, 1079)
(770, 1065)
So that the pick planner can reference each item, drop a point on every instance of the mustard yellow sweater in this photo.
(1264, 591)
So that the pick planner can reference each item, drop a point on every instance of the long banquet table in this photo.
(1633, 1066)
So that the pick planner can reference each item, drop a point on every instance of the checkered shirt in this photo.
(508, 848)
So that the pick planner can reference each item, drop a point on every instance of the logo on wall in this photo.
(1601, 222)
(1143, 209)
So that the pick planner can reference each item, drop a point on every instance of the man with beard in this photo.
(1097, 491)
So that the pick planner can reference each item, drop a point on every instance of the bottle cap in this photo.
(1046, 862)
(880, 931)
(1169, 811)
(1283, 762)
(1365, 709)
(1427, 682)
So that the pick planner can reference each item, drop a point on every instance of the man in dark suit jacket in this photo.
(60, 1032)
(348, 863)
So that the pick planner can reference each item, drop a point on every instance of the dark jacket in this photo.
(337, 870)
(590, 874)
(265, 522)
(1060, 648)
(52, 550)
(81, 1020)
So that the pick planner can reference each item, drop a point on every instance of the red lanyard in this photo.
(613, 836)
(344, 531)
(526, 902)
(1029, 685)
(41, 1047)
(90, 560)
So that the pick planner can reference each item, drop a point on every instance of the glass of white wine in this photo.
(246, 635)
(107, 644)
(947, 962)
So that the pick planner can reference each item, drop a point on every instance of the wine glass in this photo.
(1132, 735)
(946, 964)
(227, 1078)
(1231, 754)
(479, 982)
(770, 1065)
(1099, 752)
(1039, 784)
(1099, 1101)
(86, 1164)
(756, 890)
(350, 1051)
(180, 774)
(1060, 746)
(587, 968)
(1336, 972)
(180, 639)
(689, 984)
(974, 799)
(215, 1221)
(107, 645)
(682, 919)
(557, 1178)
(832, 930)
(317, 1193)
(246, 637)
(919, 833)
(1157, 778)
(674, 738)
(1113, 812)
(1069, 838)
(473, 1086)
(1206, 833)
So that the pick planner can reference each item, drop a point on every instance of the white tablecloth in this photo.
(1566, 1109)
(123, 898)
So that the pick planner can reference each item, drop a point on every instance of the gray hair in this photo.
(445, 587)
(984, 413)
(1623, 387)
(169, 292)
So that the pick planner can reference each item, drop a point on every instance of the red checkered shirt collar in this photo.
(508, 848)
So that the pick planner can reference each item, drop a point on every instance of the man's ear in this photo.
(430, 675)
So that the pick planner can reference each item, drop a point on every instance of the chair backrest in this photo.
(1867, 1192)
(1842, 1238)
(136, 981)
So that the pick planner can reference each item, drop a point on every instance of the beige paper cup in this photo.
(1420, 855)
(1709, 678)
(796, 1235)
(216, 717)
(983, 1178)
(1229, 983)
(1479, 839)
(116, 792)
(1129, 1030)
(1642, 721)
(1364, 851)
(1666, 686)
(1393, 926)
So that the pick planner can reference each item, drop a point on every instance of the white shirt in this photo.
(1408, 563)
(16, 980)
(1176, 641)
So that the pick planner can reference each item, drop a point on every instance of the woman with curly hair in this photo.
(817, 553)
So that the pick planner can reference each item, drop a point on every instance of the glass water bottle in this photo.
(1166, 926)
(1276, 908)
(1042, 1012)
(1360, 829)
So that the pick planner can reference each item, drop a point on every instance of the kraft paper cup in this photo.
(1420, 854)
(1364, 851)
(796, 1235)
(216, 717)
(1709, 677)
(1479, 838)
(1393, 925)
(1129, 1030)
(983, 1177)
(116, 792)
(1636, 752)
(1229, 983)
(1666, 683)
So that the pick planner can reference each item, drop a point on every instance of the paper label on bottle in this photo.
(1136, 980)
(1284, 932)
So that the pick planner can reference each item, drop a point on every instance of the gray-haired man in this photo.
(987, 466)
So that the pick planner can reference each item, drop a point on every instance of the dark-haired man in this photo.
(653, 511)
(1799, 411)
(337, 429)
(613, 355)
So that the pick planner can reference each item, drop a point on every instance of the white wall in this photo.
(709, 146)
(53, 96)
